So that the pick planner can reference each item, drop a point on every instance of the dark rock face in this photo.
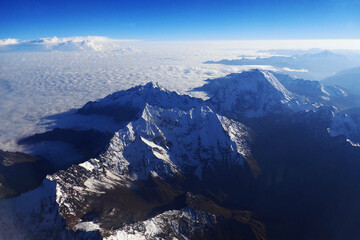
(309, 187)
(20, 172)
(120, 113)
(88, 143)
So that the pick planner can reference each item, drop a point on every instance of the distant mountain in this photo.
(348, 79)
(90, 43)
(291, 52)
(309, 66)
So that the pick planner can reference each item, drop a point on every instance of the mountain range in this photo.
(310, 65)
(267, 156)
(348, 79)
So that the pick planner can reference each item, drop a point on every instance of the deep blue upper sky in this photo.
(181, 19)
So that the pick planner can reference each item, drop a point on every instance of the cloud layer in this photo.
(34, 85)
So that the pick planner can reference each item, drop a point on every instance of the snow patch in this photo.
(87, 226)
(87, 165)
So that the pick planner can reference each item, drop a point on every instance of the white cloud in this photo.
(8, 41)
(294, 70)
(95, 43)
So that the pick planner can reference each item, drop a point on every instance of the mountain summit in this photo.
(254, 93)
(128, 104)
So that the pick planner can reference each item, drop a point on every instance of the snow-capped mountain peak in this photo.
(186, 137)
(127, 105)
(254, 93)
(153, 84)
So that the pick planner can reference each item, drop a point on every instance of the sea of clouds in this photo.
(44, 77)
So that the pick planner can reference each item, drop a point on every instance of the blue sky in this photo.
(181, 20)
